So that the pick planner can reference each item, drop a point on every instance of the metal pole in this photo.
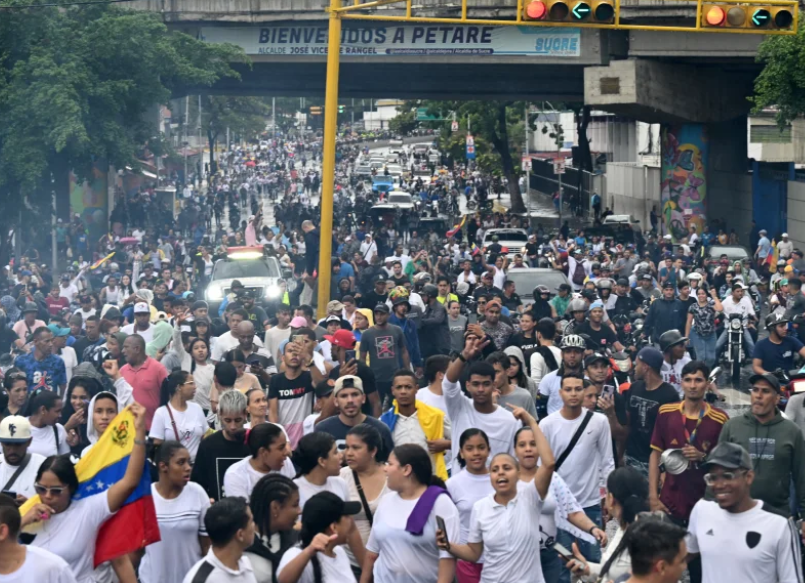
(328, 157)
(560, 200)
(184, 132)
(274, 116)
(352, 126)
(201, 142)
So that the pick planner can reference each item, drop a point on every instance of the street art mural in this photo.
(683, 189)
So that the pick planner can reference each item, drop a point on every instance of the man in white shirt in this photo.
(738, 303)
(549, 400)
(226, 342)
(585, 464)
(142, 322)
(785, 247)
(368, 249)
(18, 467)
(478, 411)
(230, 526)
(736, 537)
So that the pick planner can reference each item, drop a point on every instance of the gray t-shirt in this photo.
(519, 398)
(384, 347)
(457, 328)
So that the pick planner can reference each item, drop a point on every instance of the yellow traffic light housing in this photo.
(603, 11)
(752, 16)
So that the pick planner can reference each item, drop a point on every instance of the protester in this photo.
(178, 417)
(18, 466)
(267, 446)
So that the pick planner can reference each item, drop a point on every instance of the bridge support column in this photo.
(654, 91)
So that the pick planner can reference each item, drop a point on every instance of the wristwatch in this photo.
(592, 528)
(461, 357)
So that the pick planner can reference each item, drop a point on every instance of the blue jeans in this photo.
(749, 343)
(552, 566)
(705, 347)
(592, 552)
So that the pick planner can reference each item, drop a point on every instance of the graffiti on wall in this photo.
(683, 177)
(90, 200)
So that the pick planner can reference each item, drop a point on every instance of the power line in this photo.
(61, 4)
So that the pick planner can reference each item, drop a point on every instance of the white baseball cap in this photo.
(141, 308)
(15, 429)
(785, 234)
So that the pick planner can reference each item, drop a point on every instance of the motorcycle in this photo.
(622, 365)
(734, 354)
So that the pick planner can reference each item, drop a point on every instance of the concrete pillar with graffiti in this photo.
(683, 186)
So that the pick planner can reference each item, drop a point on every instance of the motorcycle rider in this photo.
(604, 287)
(737, 303)
(646, 289)
(622, 302)
(542, 307)
(675, 357)
(577, 311)
(601, 335)
(561, 301)
(778, 350)
(667, 313)
(549, 400)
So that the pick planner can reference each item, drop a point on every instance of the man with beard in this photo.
(227, 446)
(499, 331)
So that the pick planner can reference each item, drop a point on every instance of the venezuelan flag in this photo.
(100, 262)
(457, 228)
(135, 524)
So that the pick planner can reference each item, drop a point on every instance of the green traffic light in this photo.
(581, 11)
(760, 17)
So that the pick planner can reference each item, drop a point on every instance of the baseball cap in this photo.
(381, 308)
(768, 377)
(141, 308)
(342, 338)
(58, 331)
(113, 313)
(324, 388)
(651, 357)
(15, 429)
(379, 278)
(595, 357)
(335, 305)
(325, 508)
(298, 322)
(668, 284)
(623, 281)
(30, 307)
(348, 382)
(729, 455)
(332, 319)
(646, 276)
(597, 305)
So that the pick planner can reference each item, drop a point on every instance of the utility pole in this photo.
(200, 143)
(352, 127)
(54, 253)
(184, 132)
(274, 116)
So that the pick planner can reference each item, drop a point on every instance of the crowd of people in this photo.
(434, 426)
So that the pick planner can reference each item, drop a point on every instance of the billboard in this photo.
(376, 40)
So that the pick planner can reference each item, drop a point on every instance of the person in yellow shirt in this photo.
(445, 295)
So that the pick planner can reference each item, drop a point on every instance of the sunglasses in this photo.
(55, 491)
(711, 479)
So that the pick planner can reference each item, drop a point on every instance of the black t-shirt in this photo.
(643, 406)
(7, 338)
(527, 344)
(513, 302)
(335, 427)
(623, 305)
(370, 300)
(215, 454)
(402, 280)
(603, 338)
(367, 378)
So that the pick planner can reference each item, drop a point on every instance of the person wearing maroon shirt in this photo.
(55, 303)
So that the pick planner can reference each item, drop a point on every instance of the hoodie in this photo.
(92, 433)
(777, 449)
(517, 353)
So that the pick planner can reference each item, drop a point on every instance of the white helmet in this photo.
(573, 341)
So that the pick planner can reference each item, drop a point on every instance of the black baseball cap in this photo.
(595, 357)
(729, 455)
(768, 377)
(325, 388)
(325, 508)
(381, 308)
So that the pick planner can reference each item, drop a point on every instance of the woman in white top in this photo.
(504, 526)
(320, 558)
(366, 479)
(627, 496)
(268, 446)
(403, 552)
(180, 507)
(111, 294)
(467, 487)
(179, 418)
(48, 437)
(70, 527)
(275, 508)
(559, 510)
(319, 464)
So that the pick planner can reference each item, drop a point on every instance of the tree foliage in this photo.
(781, 83)
(76, 87)
(244, 116)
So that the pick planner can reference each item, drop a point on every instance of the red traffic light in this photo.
(535, 10)
(715, 16)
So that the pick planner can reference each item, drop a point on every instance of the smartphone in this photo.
(299, 338)
(565, 554)
(608, 391)
(349, 355)
(440, 524)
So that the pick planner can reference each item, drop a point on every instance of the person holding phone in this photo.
(343, 351)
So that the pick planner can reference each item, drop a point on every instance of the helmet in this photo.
(577, 305)
(541, 289)
(775, 319)
(694, 275)
(399, 295)
(604, 284)
(670, 339)
(573, 341)
(781, 263)
(430, 290)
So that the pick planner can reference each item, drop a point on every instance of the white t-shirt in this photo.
(40, 566)
(70, 361)
(510, 535)
(181, 522)
(499, 425)
(24, 483)
(71, 534)
(591, 459)
(333, 569)
(241, 478)
(672, 373)
(333, 484)
(549, 387)
(221, 573)
(191, 425)
(44, 441)
(361, 520)
(755, 546)
(405, 558)
(465, 490)
(148, 335)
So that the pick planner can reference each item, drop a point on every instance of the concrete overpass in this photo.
(684, 74)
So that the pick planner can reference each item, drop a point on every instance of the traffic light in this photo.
(315, 110)
(341, 109)
(727, 15)
(581, 11)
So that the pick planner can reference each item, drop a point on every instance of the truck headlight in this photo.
(273, 291)
(214, 294)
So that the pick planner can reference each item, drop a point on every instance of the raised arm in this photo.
(121, 490)
(542, 480)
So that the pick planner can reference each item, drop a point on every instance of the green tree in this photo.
(245, 116)
(77, 85)
(405, 121)
(781, 83)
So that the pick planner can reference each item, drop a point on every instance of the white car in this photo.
(396, 199)
(512, 240)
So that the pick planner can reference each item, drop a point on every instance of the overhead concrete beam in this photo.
(656, 92)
